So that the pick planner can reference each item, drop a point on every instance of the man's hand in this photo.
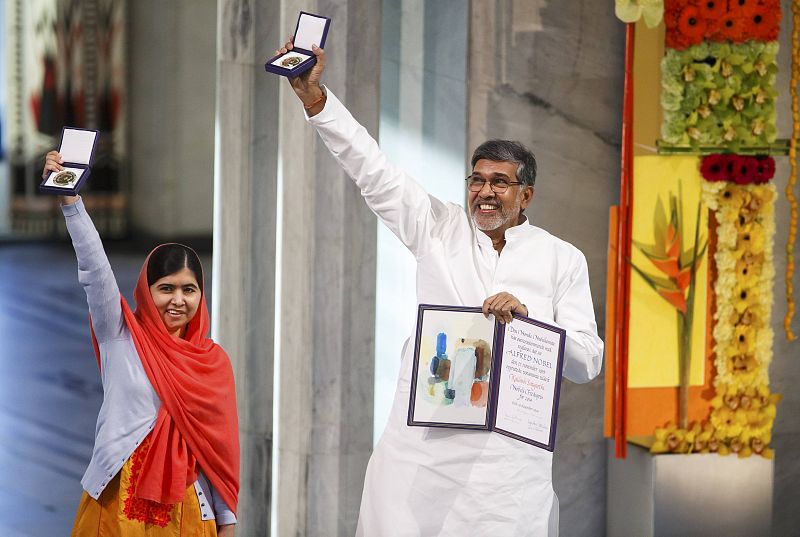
(53, 163)
(503, 306)
(306, 85)
(226, 530)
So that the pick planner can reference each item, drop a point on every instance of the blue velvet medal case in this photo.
(77, 149)
(311, 30)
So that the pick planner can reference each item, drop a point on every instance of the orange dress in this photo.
(117, 513)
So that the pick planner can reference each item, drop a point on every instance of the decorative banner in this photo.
(697, 315)
(669, 281)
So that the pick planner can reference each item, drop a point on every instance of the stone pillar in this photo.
(328, 290)
(245, 201)
(285, 211)
(171, 90)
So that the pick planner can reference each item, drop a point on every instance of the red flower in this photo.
(713, 168)
(712, 9)
(732, 28)
(742, 8)
(764, 169)
(744, 170)
(764, 23)
(691, 24)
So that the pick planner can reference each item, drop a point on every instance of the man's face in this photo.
(492, 211)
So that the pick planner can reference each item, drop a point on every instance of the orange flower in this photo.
(675, 298)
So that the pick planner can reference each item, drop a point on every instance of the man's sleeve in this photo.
(399, 201)
(583, 353)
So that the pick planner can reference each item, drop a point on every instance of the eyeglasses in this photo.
(475, 184)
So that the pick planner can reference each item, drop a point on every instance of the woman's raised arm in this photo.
(94, 270)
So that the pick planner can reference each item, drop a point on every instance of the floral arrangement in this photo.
(739, 169)
(690, 22)
(632, 10)
(720, 94)
(743, 409)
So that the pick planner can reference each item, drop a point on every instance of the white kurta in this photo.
(442, 482)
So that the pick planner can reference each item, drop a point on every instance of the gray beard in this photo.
(492, 223)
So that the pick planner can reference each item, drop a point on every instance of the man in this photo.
(444, 482)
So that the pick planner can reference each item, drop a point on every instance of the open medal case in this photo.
(311, 30)
(77, 150)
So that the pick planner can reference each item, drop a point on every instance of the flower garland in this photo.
(739, 169)
(632, 10)
(743, 410)
(790, 185)
(690, 22)
(720, 94)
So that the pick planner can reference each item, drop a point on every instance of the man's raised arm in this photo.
(399, 201)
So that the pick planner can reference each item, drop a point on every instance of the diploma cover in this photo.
(471, 372)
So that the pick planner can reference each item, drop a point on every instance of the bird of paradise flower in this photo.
(676, 263)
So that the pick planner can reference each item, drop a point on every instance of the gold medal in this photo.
(291, 61)
(64, 178)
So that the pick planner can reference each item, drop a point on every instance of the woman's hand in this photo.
(504, 306)
(306, 85)
(226, 530)
(53, 163)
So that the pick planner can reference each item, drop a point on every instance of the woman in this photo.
(166, 453)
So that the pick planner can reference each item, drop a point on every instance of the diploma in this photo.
(471, 372)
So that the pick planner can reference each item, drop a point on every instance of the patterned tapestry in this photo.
(67, 68)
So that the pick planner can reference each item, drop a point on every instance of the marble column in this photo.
(327, 286)
(171, 89)
(245, 199)
(285, 212)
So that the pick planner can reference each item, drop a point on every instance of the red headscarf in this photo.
(197, 422)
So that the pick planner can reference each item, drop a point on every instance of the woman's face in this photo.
(177, 297)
